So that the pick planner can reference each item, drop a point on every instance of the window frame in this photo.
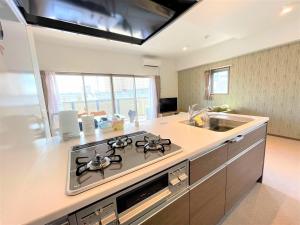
(211, 77)
(83, 75)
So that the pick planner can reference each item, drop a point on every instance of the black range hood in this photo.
(131, 21)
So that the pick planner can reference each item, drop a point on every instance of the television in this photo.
(167, 105)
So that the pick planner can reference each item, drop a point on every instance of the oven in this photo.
(148, 196)
(138, 202)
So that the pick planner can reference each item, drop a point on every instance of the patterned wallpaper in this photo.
(264, 83)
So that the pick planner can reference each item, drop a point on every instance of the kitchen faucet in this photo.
(195, 110)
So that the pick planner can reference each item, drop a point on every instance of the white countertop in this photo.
(33, 178)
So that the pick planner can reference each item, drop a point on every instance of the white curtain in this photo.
(153, 99)
(52, 99)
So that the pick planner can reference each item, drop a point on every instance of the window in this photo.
(144, 98)
(124, 94)
(71, 96)
(220, 81)
(98, 94)
(108, 94)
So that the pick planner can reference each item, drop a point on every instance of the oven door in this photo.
(142, 199)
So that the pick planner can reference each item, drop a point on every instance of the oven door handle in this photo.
(146, 204)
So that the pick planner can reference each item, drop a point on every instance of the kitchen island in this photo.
(34, 192)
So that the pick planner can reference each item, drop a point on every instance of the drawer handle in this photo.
(237, 139)
(146, 204)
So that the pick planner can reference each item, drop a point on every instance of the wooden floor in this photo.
(277, 200)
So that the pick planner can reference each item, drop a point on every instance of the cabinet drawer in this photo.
(177, 213)
(243, 173)
(249, 139)
(205, 164)
(207, 200)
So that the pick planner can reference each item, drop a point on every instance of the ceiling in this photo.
(208, 23)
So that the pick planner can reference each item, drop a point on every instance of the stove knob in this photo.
(182, 177)
(174, 180)
(109, 219)
(108, 215)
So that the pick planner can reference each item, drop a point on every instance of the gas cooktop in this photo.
(95, 163)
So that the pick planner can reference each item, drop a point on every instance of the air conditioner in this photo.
(151, 62)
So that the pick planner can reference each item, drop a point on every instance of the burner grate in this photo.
(98, 162)
(119, 142)
(95, 143)
(154, 143)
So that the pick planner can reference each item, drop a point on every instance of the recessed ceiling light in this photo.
(184, 48)
(286, 9)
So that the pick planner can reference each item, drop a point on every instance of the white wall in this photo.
(169, 79)
(59, 57)
(272, 37)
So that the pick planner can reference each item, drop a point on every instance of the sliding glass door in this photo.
(98, 94)
(110, 94)
(143, 97)
(124, 94)
(70, 93)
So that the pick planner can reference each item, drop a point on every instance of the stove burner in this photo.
(119, 142)
(98, 162)
(153, 144)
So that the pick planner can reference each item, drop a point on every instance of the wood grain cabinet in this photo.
(177, 213)
(207, 200)
(220, 178)
(243, 173)
(203, 165)
(239, 144)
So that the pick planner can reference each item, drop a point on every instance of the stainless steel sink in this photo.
(221, 123)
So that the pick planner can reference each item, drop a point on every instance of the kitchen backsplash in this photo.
(264, 83)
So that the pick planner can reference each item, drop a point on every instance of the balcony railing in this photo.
(122, 106)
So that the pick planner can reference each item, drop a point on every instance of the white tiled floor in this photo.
(277, 200)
